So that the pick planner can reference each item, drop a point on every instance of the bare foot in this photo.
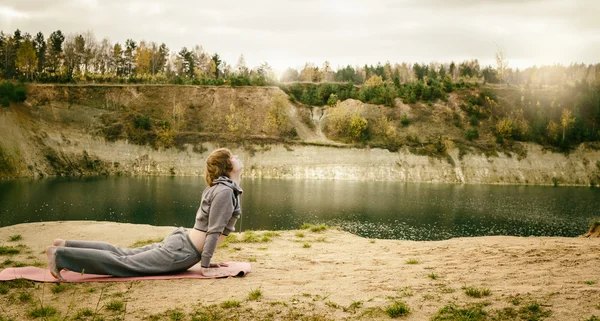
(51, 254)
(59, 242)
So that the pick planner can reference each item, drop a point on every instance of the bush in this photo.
(142, 122)
(471, 134)
(404, 120)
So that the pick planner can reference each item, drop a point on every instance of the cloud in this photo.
(341, 31)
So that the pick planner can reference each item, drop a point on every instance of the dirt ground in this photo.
(323, 275)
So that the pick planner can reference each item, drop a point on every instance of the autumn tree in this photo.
(217, 64)
(26, 59)
(143, 59)
(277, 121)
(566, 121)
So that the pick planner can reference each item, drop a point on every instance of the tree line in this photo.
(82, 58)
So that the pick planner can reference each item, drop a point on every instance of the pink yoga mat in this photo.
(43, 275)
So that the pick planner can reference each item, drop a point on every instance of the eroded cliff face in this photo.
(56, 132)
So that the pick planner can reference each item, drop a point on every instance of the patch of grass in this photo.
(25, 296)
(255, 294)
(472, 312)
(60, 287)
(145, 242)
(515, 301)
(9, 250)
(428, 297)
(371, 241)
(42, 312)
(433, 276)
(6, 262)
(533, 311)
(355, 305)
(176, 315)
(84, 312)
(19, 284)
(271, 234)
(590, 282)
(476, 292)
(251, 237)
(314, 228)
(412, 261)
(115, 305)
(208, 313)
(252, 259)
(299, 234)
(332, 304)
(397, 309)
(16, 237)
(592, 318)
(446, 289)
(306, 245)
(230, 304)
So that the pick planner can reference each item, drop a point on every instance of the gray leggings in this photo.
(175, 253)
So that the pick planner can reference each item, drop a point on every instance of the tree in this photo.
(26, 59)
(8, 54)
(240, 67)
(159, 57)
(420, 71)
(89, 52)
(490, 75)
(40, 46)
(217, 61)
(552, 130)
(70, 56)
(188, 62)
(452, 70)
(143, 59)
(374, 81)
(327, 73)
(130, 47)
(308, 73)
(502, 65)
(289, 75)
(566, 121)
(117, 61)
(103, 57)
(55, 42)
(79, 53)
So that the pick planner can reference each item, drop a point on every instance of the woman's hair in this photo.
(218, 164)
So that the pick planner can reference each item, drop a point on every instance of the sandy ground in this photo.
(319, 275)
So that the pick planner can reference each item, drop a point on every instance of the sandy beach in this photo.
(325, 275)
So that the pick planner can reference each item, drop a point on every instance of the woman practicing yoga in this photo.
(219, 210)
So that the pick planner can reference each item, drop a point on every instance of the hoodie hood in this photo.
(224, 180)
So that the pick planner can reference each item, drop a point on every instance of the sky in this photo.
(356, 32)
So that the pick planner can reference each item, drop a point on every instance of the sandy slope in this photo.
(339, 268)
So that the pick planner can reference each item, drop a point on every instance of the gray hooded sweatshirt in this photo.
(219, 211)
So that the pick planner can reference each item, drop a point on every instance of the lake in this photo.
(389, 210)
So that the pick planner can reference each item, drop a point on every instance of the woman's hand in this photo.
(212, 272)
(217, 265)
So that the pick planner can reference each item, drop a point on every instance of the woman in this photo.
(219, 210)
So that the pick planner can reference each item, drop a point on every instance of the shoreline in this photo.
(332, 275)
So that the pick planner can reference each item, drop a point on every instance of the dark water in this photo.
(372, 209)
